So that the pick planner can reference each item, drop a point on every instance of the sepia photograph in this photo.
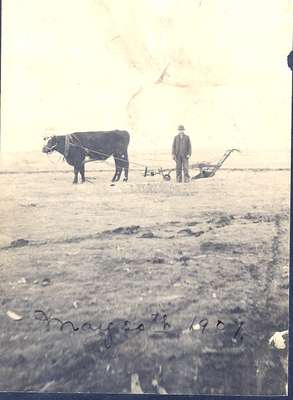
(145, 166)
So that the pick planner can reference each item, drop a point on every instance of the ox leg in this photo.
(76, 169)
(82, 170)
(119, 173)
(116, 171)
(119, 163)
(126, 168)
(115, 175)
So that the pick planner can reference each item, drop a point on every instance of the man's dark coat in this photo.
(181, 146)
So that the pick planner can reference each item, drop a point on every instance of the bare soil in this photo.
(156, 253)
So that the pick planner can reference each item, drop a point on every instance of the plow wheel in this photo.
(166, 177)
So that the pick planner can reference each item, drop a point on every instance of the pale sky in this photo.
(79, 65)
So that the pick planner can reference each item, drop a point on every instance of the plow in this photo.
(206, 169)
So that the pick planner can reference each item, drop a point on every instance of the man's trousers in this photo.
(182, 164)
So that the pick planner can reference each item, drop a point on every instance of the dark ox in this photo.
(80, 147)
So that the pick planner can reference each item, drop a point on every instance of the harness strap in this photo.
(89, 151)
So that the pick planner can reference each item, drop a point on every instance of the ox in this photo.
(81, 147)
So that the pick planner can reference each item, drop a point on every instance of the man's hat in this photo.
(181, 128)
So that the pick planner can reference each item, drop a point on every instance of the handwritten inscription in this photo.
(156, 323)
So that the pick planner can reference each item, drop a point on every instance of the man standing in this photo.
(181, 151)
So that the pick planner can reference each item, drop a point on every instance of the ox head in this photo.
(51, 144)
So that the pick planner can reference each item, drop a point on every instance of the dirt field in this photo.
(154, 253)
